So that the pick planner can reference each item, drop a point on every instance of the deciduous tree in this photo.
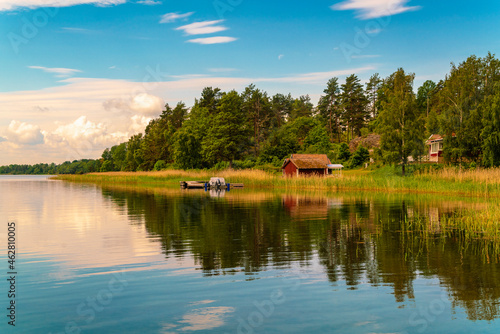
(400, 125)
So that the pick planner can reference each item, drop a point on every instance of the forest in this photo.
(252, 129)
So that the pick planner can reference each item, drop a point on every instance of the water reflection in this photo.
(359, 239)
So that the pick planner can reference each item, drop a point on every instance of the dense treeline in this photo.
(68, 167)
(248, 129)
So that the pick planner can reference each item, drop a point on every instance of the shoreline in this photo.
(467, 184)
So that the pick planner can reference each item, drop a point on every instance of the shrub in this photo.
(359, 157)
(160, 165)
(343, 152)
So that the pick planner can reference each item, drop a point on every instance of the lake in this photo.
(138, 260)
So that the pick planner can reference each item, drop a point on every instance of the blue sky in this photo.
(81, 75)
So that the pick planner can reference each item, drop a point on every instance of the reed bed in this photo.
(474, 224)
(479, 182)
(473, 228)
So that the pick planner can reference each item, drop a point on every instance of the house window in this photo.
(436, 147)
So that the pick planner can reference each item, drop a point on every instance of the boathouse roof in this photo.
(308, 161)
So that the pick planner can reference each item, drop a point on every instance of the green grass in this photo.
(478, 183)
(472, 227)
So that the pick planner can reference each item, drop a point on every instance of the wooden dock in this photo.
(207, 186)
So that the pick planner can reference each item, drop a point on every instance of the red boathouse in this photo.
(306, 164)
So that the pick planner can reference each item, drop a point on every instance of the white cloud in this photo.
(205, 318)
(83, 133)
(24, 133)
(6, 5)
(149, 2)
(364, 56)
(59, 72)
(316, 77)
(222, 70)
(203, 28)
(369, 9)
(172, 17)
(212, 40)
(139, 124)
(280, 57)
(374, 31)
(77, 30)
(58, 110)
(189, 76)
(143, 103)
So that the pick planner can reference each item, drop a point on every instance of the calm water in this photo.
(94, 260)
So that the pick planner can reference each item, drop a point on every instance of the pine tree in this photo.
(353, 105)
(329, 109)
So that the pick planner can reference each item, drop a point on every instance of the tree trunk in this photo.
(403, 169)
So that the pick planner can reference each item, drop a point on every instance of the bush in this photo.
(221, 165)
(359, 157)
(244, 164)
(343, 152)
(159, 165)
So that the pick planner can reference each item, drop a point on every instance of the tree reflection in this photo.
(357, 239)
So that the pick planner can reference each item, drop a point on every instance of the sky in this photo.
(77, 76)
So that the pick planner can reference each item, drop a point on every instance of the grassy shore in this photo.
(479, 182)
(471, 226)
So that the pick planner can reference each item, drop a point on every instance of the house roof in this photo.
(308, 161)
(437, 138)
(434, 138)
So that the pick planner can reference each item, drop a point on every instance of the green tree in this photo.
(281, 107)
(359, 157)
(317, 141)
(256, 105)
(432, 124)
(187, 141)
(175, 116)
(491, 129)
(464, 89)
(425, 96)
(329, 108)
(107, 166)
(210, 99)
(343, 153)
(156, 144)
(400, 125)
(353, 103)
(372, 88)
(106, 154)
(227, 137)
(301, 107)
(118, 155)
(133, 158)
